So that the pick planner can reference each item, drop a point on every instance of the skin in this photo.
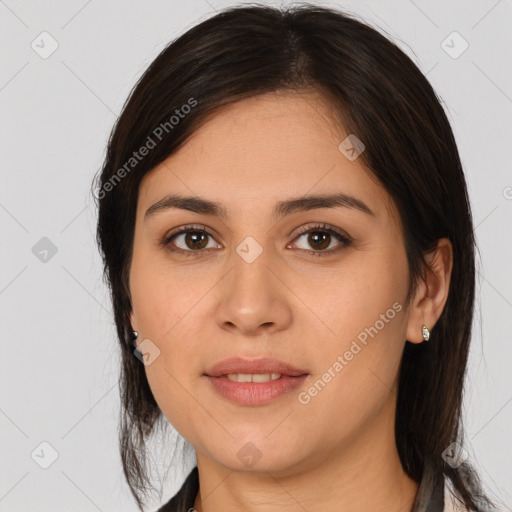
(338, 451)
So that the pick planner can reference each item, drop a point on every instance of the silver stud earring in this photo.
(425, 333)
(135, 334)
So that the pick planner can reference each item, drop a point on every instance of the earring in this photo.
(425, 333)
(134, 336)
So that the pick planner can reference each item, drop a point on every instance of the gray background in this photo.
(59, 369)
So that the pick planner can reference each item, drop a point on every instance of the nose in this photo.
(252, 299)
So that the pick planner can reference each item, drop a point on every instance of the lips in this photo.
(239, 365)
(254, 382)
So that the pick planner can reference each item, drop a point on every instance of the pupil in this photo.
(193, 237)
(322, 237)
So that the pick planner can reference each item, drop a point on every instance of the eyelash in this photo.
(324, 228)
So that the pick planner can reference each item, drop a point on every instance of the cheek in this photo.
(173, 375)
(353, 398)
(164, 294)
(165, 302)
(368, 288)
(359, 360)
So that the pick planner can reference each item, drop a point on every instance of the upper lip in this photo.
(263, 365)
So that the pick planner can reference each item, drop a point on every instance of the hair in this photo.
(382, 97)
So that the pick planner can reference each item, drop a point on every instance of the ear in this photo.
(432, 291)
(133, 323)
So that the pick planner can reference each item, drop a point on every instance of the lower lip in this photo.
(255, 393)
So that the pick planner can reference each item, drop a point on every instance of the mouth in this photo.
(254, 382)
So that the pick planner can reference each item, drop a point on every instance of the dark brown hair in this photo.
(381, 96)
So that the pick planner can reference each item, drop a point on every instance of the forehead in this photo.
(266, 148)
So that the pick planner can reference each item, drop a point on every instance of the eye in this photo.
(195, 241)
(190, 240)
(320, 238)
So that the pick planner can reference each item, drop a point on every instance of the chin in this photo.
(260, 454)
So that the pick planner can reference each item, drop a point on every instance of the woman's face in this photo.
(270, 280)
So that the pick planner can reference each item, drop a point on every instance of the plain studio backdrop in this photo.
(66, 70)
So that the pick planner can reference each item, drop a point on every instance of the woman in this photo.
(287, 236)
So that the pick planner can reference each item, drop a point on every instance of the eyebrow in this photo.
(281, 209)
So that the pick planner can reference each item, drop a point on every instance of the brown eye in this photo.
(189, 241)
(196, 240)
(318, 239)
